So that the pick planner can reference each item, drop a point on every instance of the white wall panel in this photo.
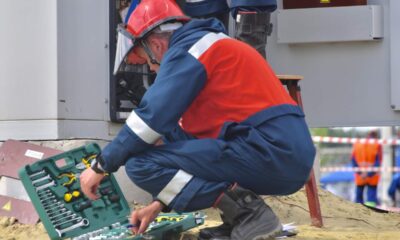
(28, 59)
(346, 83)
(333, 24)
(83, 59)
(54, 68)
(395, 54)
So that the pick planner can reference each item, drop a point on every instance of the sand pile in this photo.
(342, 220)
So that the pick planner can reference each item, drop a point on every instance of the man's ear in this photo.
(159, 46)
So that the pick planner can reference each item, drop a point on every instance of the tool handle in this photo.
(114, 198)
(82, 205)
(105, 191)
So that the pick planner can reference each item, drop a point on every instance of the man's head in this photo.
(145, 38)
(153, 47)
(373, 134)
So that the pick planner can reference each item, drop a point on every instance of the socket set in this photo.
(166, 226)
(54, 188)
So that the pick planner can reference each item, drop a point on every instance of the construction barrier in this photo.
(345, 140)
(359, 169)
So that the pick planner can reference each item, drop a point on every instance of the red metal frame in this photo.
(291, 82)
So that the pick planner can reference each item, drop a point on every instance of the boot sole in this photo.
(270, 235)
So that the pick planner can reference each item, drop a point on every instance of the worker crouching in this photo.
(230, 131)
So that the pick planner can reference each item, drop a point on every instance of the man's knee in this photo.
(140, 170)
(147, 174)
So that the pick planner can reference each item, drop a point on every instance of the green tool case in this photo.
(54, 188)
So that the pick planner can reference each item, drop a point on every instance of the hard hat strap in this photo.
(147, 49)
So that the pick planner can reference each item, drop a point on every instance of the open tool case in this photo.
(54, 188)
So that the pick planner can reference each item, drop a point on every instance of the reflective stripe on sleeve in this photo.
(174, 187)
(205, 43)
(140, 128)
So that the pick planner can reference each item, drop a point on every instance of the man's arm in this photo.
(353, 161)
(378, 160)
(141, 218)
(180, 79)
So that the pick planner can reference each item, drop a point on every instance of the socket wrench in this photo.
(82, 223)
(44, 186)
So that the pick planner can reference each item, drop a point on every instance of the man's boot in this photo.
(221, 232)
(253, 29)
(250, 217)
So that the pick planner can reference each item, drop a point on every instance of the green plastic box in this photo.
(47, 195)
(48, 182)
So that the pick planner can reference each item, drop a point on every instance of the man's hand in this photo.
(141, 218)
(90, 180)
(364, 175)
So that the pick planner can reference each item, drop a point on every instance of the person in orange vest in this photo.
(367, 155)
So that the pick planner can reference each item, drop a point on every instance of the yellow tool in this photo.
(168, 218)
(69, 196)
(71, 176)
(87, 161)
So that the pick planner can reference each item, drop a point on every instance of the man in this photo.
(229, 128)
(394, 188)
(367, 155)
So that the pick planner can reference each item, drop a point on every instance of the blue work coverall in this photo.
(240, 125)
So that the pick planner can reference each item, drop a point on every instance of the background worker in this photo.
(230, 129)
(367, 155)
(394, 188)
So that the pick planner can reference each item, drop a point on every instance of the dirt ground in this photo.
(342, 219)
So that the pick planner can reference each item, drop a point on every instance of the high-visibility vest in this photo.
(365, 155)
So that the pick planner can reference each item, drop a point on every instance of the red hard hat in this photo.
(147, 16)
